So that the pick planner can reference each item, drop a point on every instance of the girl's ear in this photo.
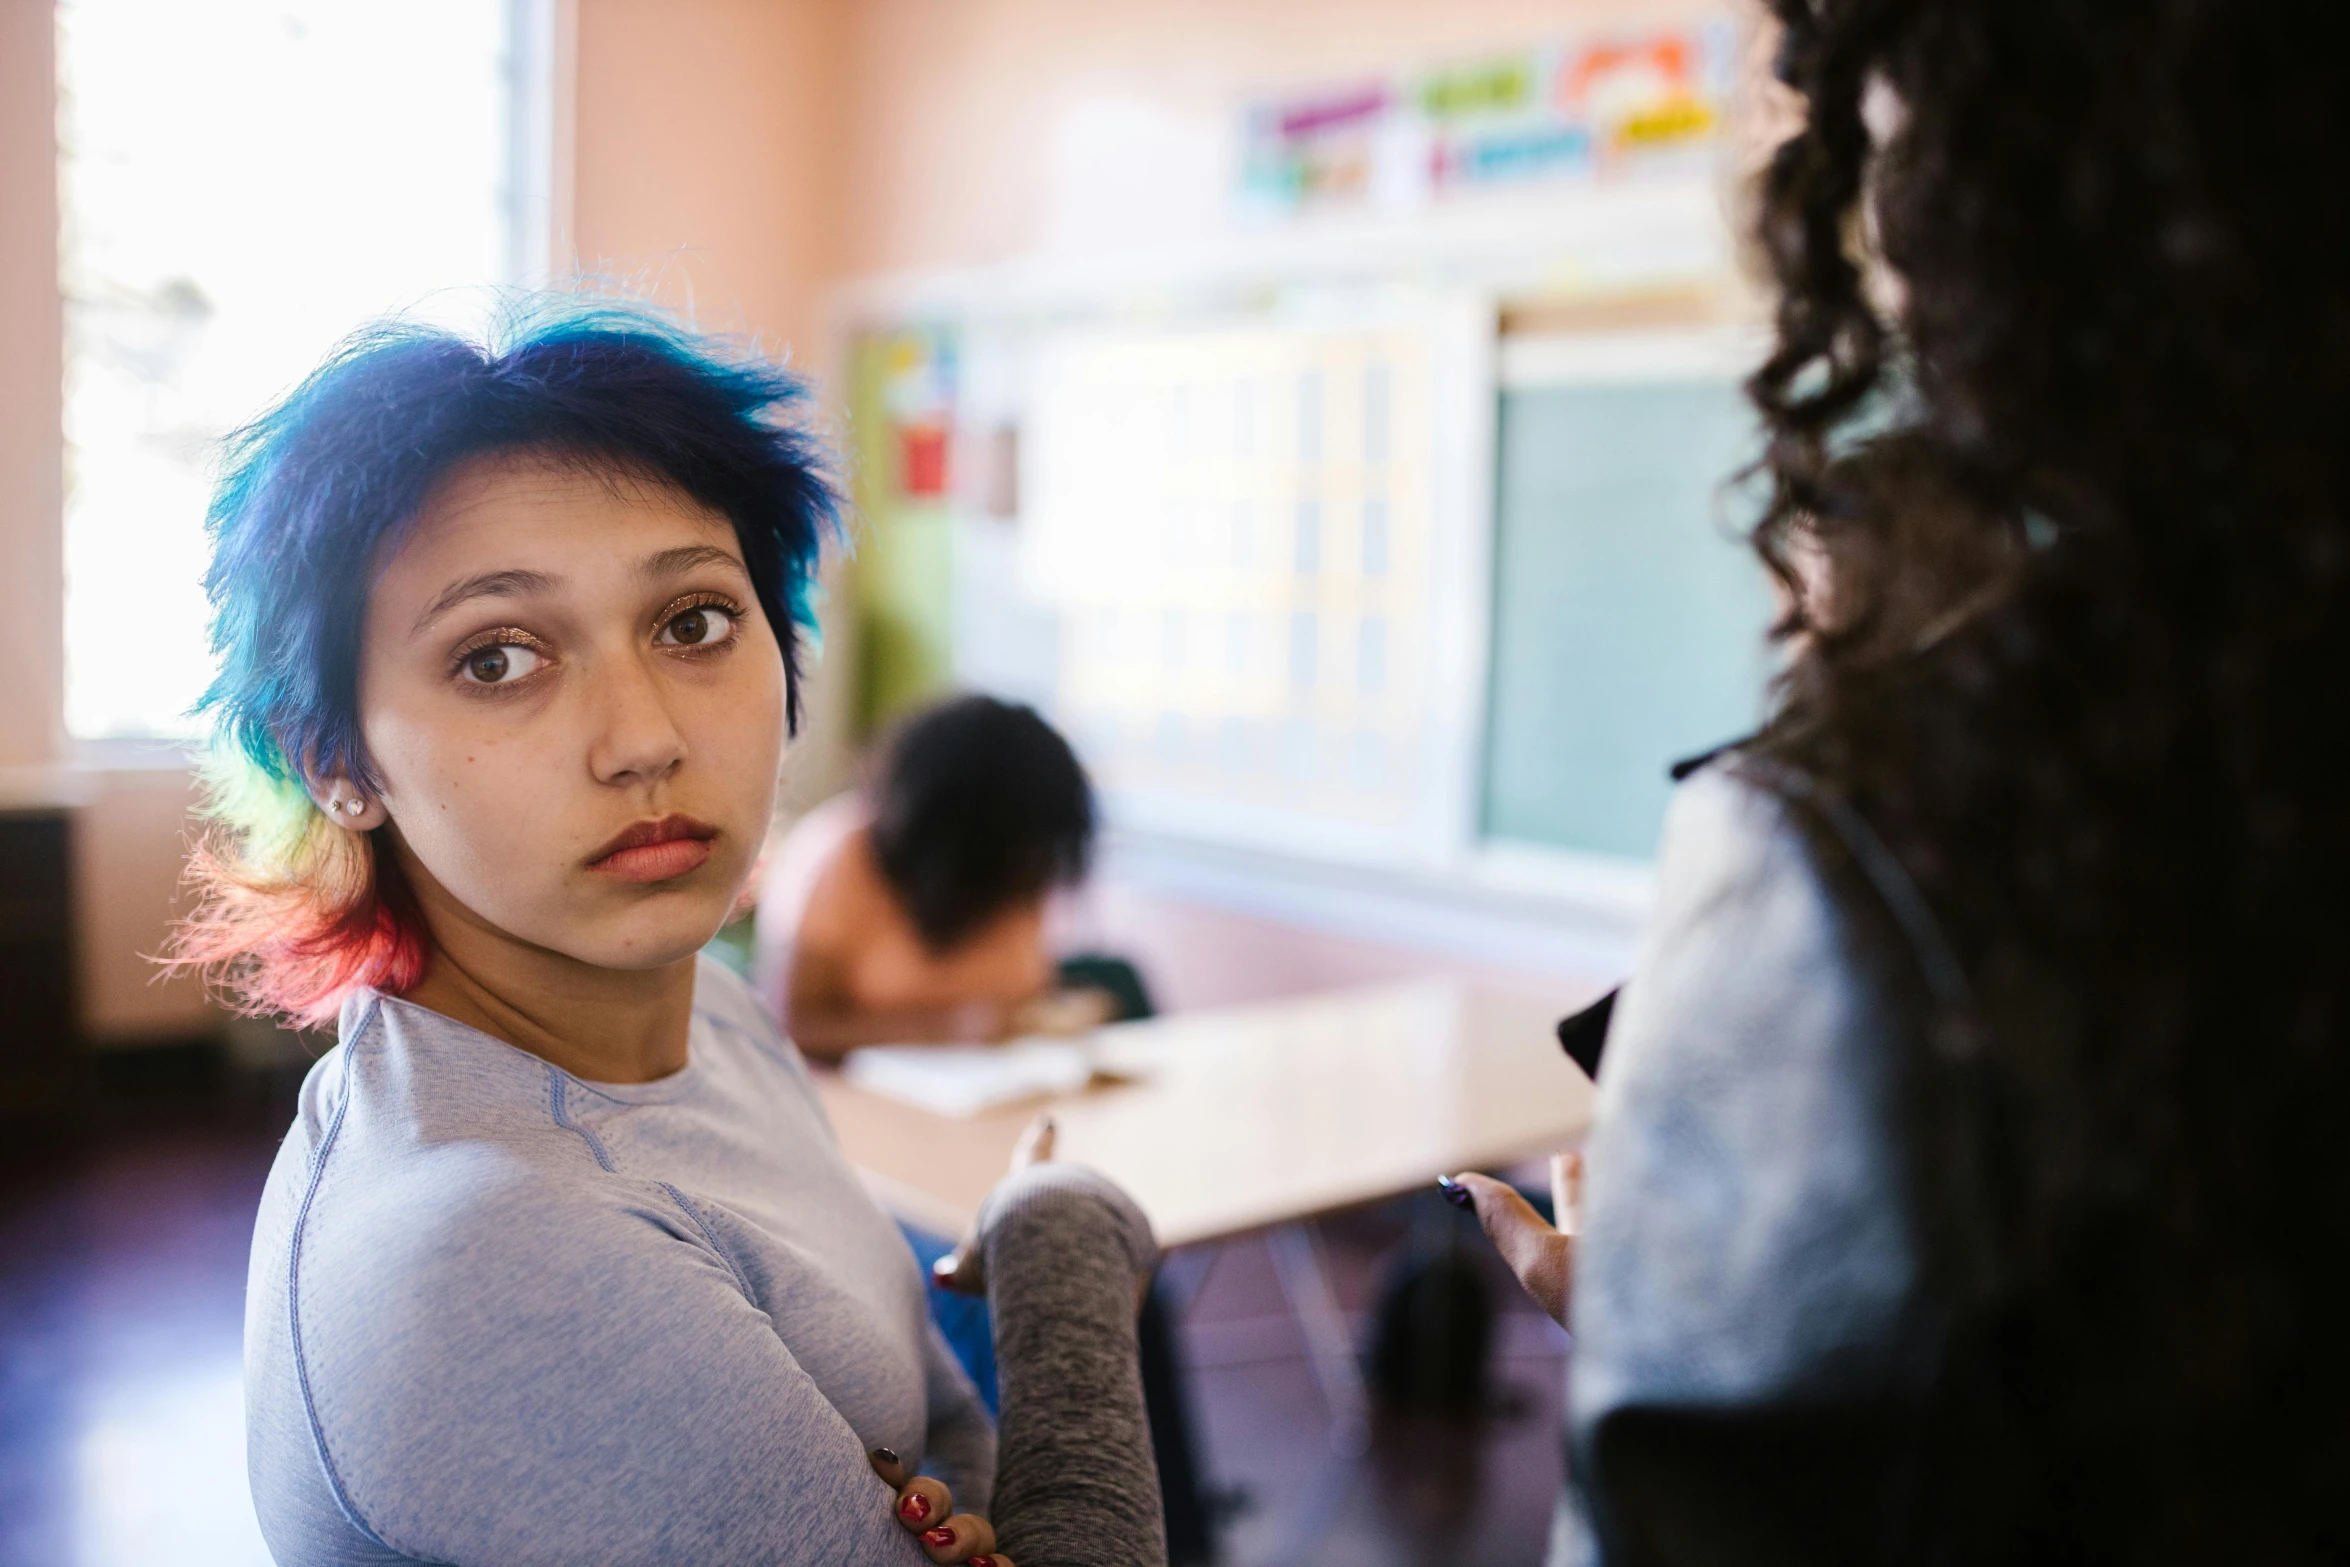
(347, 805)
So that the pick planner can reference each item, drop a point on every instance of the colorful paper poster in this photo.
(1586, 109)
(1316, 149)
(918, 398)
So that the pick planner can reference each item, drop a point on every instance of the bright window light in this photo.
(244, 182)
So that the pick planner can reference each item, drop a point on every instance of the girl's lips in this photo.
(656, 861)
(657, 849)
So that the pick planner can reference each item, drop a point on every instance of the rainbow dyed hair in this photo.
(291, 912)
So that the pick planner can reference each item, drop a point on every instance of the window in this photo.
(243, 183)
(1300, 677)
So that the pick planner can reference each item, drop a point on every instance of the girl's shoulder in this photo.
(729, 1016)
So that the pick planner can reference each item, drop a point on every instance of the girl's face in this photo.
(576, 709)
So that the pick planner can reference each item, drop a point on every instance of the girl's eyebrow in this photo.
(490, 584)
(517, 583)
(685, 558)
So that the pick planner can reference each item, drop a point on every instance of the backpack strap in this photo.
(1956, 1013)
(1971, 1222)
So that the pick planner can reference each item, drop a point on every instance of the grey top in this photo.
(499, 1314)
(1751, 1310)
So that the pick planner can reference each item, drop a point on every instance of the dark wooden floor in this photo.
(122, 1278)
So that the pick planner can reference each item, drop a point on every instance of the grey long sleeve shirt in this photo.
(498, 1314)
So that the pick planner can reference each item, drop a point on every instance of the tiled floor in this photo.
(122, 1285)
(122, 1273)
(1460, 1492)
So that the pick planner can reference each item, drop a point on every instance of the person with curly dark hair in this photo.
(1970, 1179)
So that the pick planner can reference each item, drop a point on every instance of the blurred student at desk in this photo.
(912, 911)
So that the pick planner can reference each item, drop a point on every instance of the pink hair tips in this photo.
(291, 912)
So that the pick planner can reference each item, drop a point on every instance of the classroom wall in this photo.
(32, 546)
(988, 128)
(706, 162)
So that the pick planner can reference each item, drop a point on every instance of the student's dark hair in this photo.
(2117, 762)
(977, 805)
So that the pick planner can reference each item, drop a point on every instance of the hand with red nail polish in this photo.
(954, 1537)
(963, 1538)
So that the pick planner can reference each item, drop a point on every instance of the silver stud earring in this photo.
(355, 807)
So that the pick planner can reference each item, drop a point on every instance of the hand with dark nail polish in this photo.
(1540, 1253)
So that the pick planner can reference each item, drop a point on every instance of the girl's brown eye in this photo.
(499, 664)
(698, 627)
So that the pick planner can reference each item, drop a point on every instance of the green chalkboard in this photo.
(1628, 621)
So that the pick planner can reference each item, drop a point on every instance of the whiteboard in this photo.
(1628, 621)
(1265, 545)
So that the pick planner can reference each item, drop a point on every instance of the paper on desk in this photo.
(963, 1080)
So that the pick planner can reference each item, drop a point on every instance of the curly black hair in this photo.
(978, 805)
(2061, 393)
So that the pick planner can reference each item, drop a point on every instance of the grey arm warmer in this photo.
(1065, 1251)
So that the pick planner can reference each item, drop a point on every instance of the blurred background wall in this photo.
(825, 173)
(986, 131)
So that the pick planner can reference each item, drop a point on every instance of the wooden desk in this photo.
(1255, 1116)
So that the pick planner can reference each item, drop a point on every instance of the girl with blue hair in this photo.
(559, 1261)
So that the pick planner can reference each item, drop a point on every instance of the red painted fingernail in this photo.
(942, 1535)
(914, 1508)
(980, 1561)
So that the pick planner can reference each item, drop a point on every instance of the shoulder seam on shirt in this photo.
(776, 1050)
(741, 1280)
(334, 1478)
(1913, 916)
(557, 1082)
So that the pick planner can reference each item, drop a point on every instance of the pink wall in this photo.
(707, 161)
(32, 469)
(967, 115)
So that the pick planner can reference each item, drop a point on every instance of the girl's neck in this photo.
(602, 1024)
